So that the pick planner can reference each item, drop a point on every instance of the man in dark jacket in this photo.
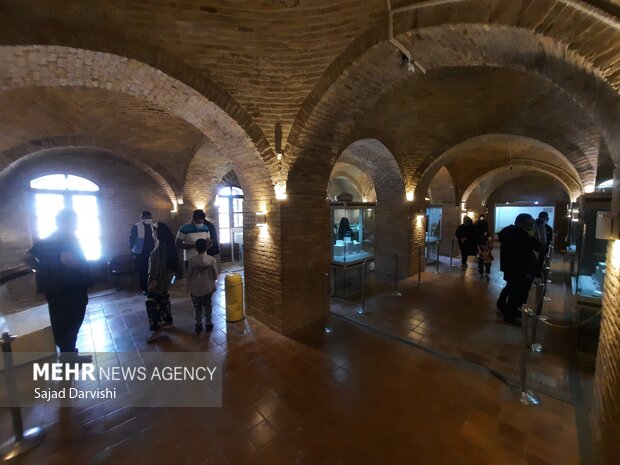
(142, 244)
(467, 235)
(519, 263)
(62, 275)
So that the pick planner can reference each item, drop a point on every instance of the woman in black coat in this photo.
(467, 235)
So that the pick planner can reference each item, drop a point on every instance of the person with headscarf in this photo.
(163, 265)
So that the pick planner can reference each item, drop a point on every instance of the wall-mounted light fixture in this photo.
(409, 196)
(180, 200)
(589, 188)
(261, 218)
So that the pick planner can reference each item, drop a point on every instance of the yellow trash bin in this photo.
(233, 285)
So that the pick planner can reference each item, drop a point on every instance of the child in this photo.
(201, 276)
(485, 255)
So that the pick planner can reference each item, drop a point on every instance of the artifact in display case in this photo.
(353, 246)
(591, 265)
(353, 232)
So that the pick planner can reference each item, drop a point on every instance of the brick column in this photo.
(262, 264)
(392, 232)
(607, 377)
(285, 264)
(417, 230)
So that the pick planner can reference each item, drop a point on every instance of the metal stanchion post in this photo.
(362, 311)
(540, 289)
(326, 302)
(546, 280)
(437, 262)
(527, 397)
(21, 441)
(451, 251)
(396, 291)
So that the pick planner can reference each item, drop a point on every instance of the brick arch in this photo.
(25, 66)
(342, 173)
(319, 131)
(552, 158)
(15, 157)
(209, 165)
(519, 169)
(391, 215)
(371, 156)
(115, 41)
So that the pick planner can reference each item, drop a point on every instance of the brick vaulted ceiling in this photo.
(302, 65)
(96, 117)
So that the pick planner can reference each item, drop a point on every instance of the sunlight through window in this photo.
(59, 191)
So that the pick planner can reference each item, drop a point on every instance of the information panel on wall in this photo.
(505, 214)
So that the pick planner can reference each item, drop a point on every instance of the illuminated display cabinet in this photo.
(590, 256)
(433, 232)
(353, 245)
(433, 223)
(353, 232)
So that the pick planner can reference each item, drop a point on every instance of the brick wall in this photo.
(124, 192)
(607, 378)
(606, 413)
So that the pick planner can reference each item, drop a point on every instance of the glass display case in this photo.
(353, 232)
(433, 231)
(353, 246)
(590, 256)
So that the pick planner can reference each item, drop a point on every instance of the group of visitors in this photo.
(475, 240)
(62, 274)
(523, 248)
(198, 240)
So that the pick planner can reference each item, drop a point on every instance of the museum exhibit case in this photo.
(353, 245)
(590, 257)
(433, 231)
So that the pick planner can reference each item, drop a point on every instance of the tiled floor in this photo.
(357, 398)
(453, 313)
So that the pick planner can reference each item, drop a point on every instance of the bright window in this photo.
(59, 191)
(230, 206)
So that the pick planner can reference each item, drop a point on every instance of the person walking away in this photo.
(197, 228)
(141, 243)
(482, 227)
(62, 275)
(485, 255)
(202, 273)
(467, 237)
(544, 233)
(518, 262)
(163, 264)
